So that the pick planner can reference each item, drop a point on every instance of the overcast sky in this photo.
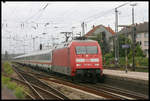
(26, 20)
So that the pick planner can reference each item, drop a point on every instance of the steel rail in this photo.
(28, 84)
(121, 91)
(29, 95)
(43, 85)
(116, 95)
(121, 94)
(83, 88)
(21, 81)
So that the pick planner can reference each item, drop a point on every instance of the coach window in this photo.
(49, 56)
(46, 57)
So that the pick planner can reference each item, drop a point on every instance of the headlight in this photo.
(96, 64)
(78, 64)
(80, 60)
(95, 60)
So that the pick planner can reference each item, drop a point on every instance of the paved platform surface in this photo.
(129, 74)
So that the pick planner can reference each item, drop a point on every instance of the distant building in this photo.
(101, 29)
(142, 35)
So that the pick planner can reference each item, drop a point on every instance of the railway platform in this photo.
(129, 74)
(133, 81)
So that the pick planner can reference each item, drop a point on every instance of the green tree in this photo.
(138, 51)
(121, 39)
(101, 38)
(105, 43)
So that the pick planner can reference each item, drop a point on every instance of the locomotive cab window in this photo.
(80, 50)
(86, 50)
(91, 49)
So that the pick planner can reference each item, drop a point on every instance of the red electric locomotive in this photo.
(81, 59)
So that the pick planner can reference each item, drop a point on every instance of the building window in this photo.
(146, 35)
(145, 43)
(146, 51)
(138, 36)
(139, 42)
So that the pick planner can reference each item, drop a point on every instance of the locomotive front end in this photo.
(88, 61)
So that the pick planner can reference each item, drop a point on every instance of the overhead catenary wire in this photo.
(47, 5)
(43, 8)
(40, 11)
(95, 16)
(99, 15)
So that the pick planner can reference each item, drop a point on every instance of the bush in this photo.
(111, 65)
(122, 61)
(5, 80)
(11, 85)
(141, 61)
(19, 92)
(108, 59)
(108, 55)
(7, 68)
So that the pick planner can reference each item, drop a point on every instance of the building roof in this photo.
(141, 27)
(97, 27)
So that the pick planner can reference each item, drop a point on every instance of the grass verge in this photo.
(18, 91)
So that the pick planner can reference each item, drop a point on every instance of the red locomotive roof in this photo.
(85, 42)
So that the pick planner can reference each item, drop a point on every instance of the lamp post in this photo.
(133, 36)
(17, 43)
(116, 35)
(34, 41)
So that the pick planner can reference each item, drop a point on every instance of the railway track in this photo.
(28, 96)
(40, 89)
(97, 89)
(119, 93)
(129, 94)
(102, 90)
